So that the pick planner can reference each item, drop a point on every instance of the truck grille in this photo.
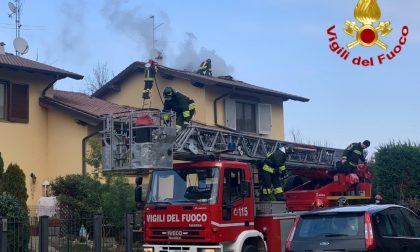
(196, 233)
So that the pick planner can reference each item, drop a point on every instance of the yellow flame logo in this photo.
(367, 12)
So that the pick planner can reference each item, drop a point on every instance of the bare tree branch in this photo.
(99, 76)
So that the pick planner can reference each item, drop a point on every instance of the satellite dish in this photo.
(12, 7)
(21, 45)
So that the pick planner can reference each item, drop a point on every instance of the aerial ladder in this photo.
(137, 141)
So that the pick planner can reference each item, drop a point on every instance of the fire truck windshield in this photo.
(180, 186)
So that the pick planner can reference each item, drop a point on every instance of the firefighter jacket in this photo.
(353, 153)
(150, 73)
(180, 104)
(205, 65)
(275, 162)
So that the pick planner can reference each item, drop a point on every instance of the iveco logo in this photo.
(324, 243)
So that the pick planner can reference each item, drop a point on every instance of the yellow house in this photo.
(42, 129)
(45, 131)
(221, 101)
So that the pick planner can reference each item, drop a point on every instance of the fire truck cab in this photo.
(210, 206)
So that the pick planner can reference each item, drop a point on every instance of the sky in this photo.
(278, 44)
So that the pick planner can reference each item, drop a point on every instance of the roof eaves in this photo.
(59, 74)
(115, 83)
(73, 112)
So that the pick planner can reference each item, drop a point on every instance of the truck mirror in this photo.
(138, 196)
(245, 188)
(139, 180)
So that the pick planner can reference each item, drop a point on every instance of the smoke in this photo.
(188, 58)
(71, 35)
(135, 24)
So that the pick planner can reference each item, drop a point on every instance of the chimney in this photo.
(2, 51)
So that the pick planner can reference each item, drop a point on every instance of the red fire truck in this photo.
(210, 202)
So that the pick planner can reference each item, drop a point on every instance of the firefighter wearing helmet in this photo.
(150, 71)
(205, 68)
(273, 173)
(183, 106)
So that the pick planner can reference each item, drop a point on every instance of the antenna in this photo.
(12, 8)
(21, 46)
(153, 36)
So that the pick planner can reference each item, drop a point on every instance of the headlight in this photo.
(208, 250)
(148, 249)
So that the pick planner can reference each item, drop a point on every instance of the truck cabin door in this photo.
(236, 200)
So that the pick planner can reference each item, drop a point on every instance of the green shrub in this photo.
(80, 195)
(397, 172)
(13, 183)
(18, 223)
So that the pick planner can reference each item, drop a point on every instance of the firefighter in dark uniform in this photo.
(205, 68)
(149, 76)
(351, 156)
(273, 173)
(183, 106)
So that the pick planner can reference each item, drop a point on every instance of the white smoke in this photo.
(189, 58)
(136, 25)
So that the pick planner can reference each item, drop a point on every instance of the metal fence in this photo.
(43, 234)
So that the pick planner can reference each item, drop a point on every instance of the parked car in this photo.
(356, 228)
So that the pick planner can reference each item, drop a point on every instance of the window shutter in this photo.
(19, 103)
(264, 118)
(230, 113)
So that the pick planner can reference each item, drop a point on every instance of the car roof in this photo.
(353, 209)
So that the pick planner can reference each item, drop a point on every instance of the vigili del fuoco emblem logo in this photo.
(367, 32)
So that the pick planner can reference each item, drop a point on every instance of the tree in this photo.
(100, 75)
(13, 183)
(396, 167)
(94, 155)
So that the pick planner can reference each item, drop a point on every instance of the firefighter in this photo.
(183, 106)
(378, 199)
(351, 156)
(205, 68)
(149, 76)
(273, 173)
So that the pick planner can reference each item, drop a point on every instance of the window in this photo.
(179, 186)
(413, 220)
(246, 117)
(232, 185)
(398, 223)
(14, 102)
(3, 91)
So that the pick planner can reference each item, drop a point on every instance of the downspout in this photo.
(215, 109)
(84, 142)
(49, 86)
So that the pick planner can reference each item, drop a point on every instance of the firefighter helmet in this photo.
(168, 92)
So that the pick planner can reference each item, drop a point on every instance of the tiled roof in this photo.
(89, 104)
(19, 63)
(82, 107)
(138, 67)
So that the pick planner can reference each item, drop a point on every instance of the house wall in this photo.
(49, 145)
(131, 91)
(64, 145)
(26, 143)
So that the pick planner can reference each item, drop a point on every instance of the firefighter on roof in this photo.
(351, 156)
(149, 76)
(183, 106)
(273, 173)
(205, 68)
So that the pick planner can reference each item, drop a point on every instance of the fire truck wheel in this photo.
(292, 182)
(249, 248)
